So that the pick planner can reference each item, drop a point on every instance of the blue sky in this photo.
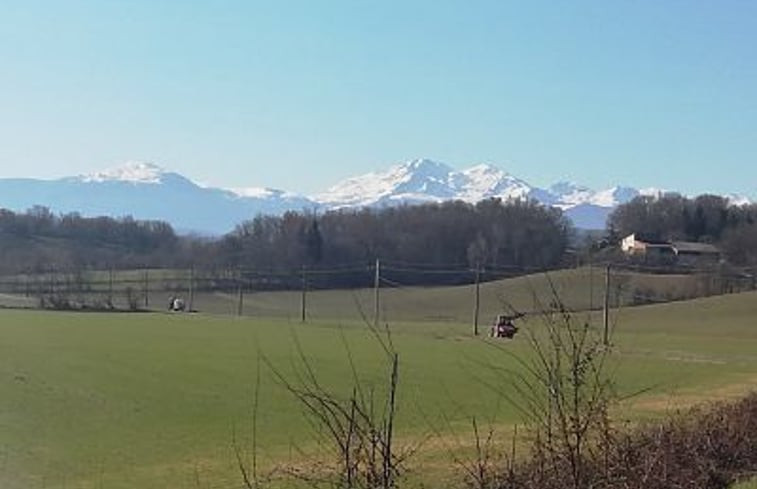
(297, 95)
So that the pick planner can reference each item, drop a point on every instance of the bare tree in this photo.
(562, 390)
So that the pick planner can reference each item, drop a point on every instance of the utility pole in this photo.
(240, 294)
(146, 285)
(606, 338)
(591, 282)
(110, 286)
(376, 287)
(191, 288)
(303, 301)
(477, 300)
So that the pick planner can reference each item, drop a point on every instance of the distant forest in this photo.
(40, 241)
(516, 233)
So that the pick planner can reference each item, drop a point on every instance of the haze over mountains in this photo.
(146, 191)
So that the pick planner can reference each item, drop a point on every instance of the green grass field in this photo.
(90, 400)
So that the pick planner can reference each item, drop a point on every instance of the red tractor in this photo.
(504, 327)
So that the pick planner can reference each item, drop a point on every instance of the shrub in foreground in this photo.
(705, 448)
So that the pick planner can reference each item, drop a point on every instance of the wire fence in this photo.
(396, 291)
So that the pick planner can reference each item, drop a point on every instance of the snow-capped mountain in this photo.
(425, 180)
(133, 172)
(147, 191)
(420, 181)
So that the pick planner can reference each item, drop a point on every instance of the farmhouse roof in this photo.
(649, 239)
(698, 248)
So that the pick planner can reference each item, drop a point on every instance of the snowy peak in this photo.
(738, 200)
(423, 180)
(484, 171)
(416, 180)
(420, 176)
(131, 172)
(424, 166)
(652, 192)
(147, 191)
(614, 196)
(569, 194)
(485, 181)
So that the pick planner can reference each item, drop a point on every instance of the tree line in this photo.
(705, 218)
(520, 234)
(492, 233)
(40, 241)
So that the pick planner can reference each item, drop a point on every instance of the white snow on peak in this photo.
(371, 187)
(613, 196)
(569, 194)
(652, 192)
(413, 182)
(255, 192)
(423, 180)
(484, 169)
(425, 166)
(738, 200)
(132, 172)
(485, 181)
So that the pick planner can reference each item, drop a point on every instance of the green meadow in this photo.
(154, 400)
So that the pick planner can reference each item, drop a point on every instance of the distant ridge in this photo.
(147, 191)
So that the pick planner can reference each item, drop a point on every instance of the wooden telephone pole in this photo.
(303, 300)
(110, 286)
(476, 300)
(146, 288)
(240, 294)
(191, 289)
(376, 297)
(606, 311)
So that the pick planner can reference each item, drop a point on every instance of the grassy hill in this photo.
(580, 289)
(155, 400)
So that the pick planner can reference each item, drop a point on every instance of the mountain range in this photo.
(146, 191)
